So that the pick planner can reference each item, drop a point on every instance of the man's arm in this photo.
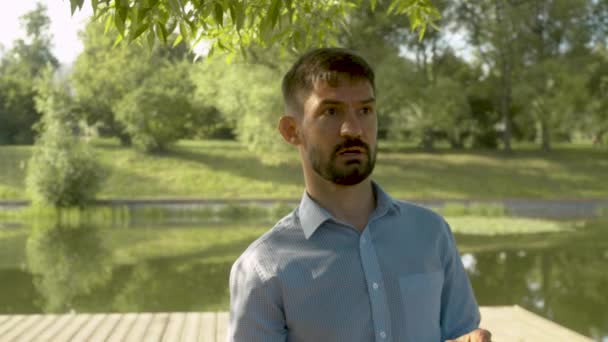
(256, 311)
(459, 310)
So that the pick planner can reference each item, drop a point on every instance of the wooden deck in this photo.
(507, 323)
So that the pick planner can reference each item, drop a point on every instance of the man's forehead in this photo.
(335, 80)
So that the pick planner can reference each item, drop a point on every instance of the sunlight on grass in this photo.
(227, 170)
(483, 225)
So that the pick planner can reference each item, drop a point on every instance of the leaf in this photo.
(178, 40)
(232, 13)
(119, 23)
(122, 7)
(119, 39)
(218, 14)
(76, 4)
(240, 16)
(160, 28)
(171, 25)
(151, 39)
(94, 5)
(108, 23)
(183, 30)
(373, 5)
(136, 33)
(273, 12)
(175, 7)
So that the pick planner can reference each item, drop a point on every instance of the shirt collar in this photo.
(312, 215)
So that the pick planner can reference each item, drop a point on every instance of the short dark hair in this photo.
(326, 64)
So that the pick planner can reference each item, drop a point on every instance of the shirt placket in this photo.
(375, 287)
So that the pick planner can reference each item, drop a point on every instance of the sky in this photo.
(64, 27)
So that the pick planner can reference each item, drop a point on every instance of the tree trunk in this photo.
(599, 137)
(428, 140)
(545, 133)
(505, 64)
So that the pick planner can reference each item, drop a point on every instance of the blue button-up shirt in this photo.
(314, 278)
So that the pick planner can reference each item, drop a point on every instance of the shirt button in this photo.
(375, 286)
(382, 334)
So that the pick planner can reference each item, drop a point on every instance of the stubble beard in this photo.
(351, 173)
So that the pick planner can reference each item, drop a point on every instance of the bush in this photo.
(157, 113)
(63, 171)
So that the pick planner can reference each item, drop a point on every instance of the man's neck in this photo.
(352, 204)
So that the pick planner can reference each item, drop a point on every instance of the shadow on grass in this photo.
(558, 174)
(244, 166)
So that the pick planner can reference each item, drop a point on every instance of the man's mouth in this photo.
(352, 151)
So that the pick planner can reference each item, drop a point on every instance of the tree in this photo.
(104, 74)
(63, 171)
(19, 68)
(597, 122)
(155, 114)
(247, 94)
(231, 24)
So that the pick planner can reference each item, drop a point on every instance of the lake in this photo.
(182, 264)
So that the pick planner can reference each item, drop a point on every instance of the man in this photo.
(350, 263)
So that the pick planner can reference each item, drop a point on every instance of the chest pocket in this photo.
(421, 300)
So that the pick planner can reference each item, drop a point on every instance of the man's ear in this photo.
(288, 127)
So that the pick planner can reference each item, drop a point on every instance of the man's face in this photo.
(338, 131)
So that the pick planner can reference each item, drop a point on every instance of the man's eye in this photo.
(330, 111)
(367, 110)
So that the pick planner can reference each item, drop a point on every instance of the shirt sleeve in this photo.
(256, 310)
(459, 309)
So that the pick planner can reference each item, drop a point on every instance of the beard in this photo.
(352, 171)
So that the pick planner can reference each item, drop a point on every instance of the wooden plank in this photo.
(10, 323)
(156, 327)
(33, 333)
(494, 320)
(548, 326)
(208, 324)
(54, 328)
(20, 327)
(4, 318)
(191, 327)
(507, 323)
(72, 327)
(106, 328)
(139, 327)
(86, 331)
(513, 323)
(173, 331)
(222, 326)
(121, 329)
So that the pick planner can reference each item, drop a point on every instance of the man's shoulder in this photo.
(417, 211)
(263, 253)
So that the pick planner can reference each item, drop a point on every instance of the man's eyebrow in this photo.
(370, 100)
(336, 102)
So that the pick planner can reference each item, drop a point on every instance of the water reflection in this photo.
(67, 261)
(566, 282)
(82, 267)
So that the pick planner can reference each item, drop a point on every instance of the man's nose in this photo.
(351, 126)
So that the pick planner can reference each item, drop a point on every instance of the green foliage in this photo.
(249, 95)
(104, 74)
(19, 67)
(233, 24)
(155, 113)
(63, 170)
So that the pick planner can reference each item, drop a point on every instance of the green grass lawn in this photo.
(217, 169)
